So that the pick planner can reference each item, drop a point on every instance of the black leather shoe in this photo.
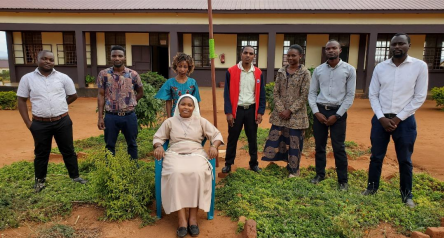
(255, 169)
(39, 185)
(316, 179)
(80, 180)
(182, 232)
(193, 230)
(226, 169)
(343, 187)
(369, 192)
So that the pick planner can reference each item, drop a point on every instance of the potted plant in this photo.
(90, 81)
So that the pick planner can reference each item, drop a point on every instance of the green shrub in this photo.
(18, 202)
(438, 96)
(8, 100)
(5, 76)
(149, 109)
(123, 186)
(90, 79)
(293, 207)
(153, 78)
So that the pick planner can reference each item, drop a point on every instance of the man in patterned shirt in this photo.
(119, 90)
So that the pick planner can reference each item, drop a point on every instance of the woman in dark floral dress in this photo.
(289, 117)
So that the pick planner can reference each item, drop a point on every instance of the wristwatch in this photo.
(338, 116)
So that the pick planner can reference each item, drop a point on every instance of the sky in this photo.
(3, 50)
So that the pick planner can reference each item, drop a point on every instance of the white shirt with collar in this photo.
(47, 94)
(398, 90)
(247, 86)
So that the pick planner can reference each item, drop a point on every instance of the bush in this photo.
(125, 187)
(438, 96)
(149, 109)
(153, 78)
(8, 100)
(90, 79)
(293, 207)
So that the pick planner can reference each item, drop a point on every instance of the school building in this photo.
(81, 33)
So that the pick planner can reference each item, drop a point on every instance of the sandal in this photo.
(194, 230)
(182, 232)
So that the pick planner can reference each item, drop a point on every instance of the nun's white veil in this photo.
(196, 112)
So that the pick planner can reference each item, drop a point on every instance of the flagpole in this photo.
(213, 68)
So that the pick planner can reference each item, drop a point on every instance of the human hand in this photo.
(213, 152)
(230, 120)
(28, 124)
(321, 118)
(388, 124)
(259, 119)
(101, 124)
(285, 114)
(331, 120)
(159, 153)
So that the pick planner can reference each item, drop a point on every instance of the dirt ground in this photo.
(16, 144)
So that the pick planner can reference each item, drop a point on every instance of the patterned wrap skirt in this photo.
(284, 144)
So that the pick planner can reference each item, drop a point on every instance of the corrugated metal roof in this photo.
(225, 5)
(4, 64)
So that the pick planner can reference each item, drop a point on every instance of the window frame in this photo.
(241, 43)
(204, 50)
(437, 52)
(294, 39)
(114, 37)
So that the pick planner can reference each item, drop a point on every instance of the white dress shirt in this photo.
(398, 90)
(47, 94)
(247, 86)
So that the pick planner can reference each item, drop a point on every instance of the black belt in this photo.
(120, 113)
(390, 115)
(327, 107)
(247, 106)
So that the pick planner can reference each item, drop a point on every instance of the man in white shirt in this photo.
(50, 92)
(397, 89)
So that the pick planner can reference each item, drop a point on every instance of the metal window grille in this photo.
(433, 53)
(291, 39)
(113, 39)
(248, 39)
(383, 48)
(27, 53)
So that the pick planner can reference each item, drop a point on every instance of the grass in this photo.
(97, 143)
(355, 151)
(19, 203)
(294, 207)
(262, 135)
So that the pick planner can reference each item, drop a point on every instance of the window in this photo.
(69, 48)
(201, 50)
(291, 39)
(112, 39)
(383, 48)
(433, 53)
(344, 41)
(32, 45)
(248, 39)
(159, 39)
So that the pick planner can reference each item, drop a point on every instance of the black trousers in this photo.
(337, 135)
(404, 137)
(244, 118)
(43, 132)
